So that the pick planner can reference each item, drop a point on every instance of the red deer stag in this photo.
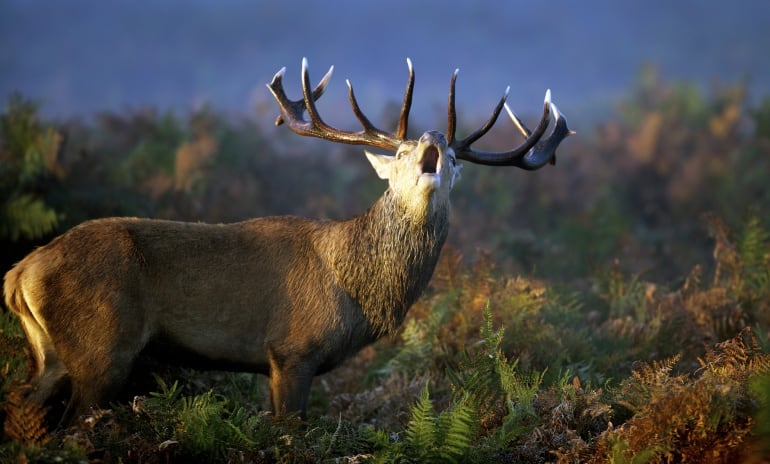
(282, 296)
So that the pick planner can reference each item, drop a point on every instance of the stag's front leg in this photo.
(290, 381)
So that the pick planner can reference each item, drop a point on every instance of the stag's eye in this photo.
(400, 155)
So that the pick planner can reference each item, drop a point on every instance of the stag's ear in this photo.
(381, 163)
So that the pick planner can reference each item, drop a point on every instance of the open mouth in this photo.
(429, 162)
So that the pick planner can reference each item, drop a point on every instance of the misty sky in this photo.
(79, 57)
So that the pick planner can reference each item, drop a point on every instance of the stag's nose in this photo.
(433, 138)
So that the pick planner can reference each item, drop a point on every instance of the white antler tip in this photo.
(548, 96)
(304, 63)
(409, 63)
(457, 71)
(347, 81)
(507, 91)
(510, 112)
(556, 114)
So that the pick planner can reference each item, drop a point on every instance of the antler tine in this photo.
(367, 125)
(312, 111)
(451, 112)
(276, 88)
(544, 151)
(317, 92)
(403, 120)
(481, 131)
(512, 157)
(523, 129)
(292, 114)
(452, 118)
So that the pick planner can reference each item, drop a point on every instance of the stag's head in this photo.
(421, 172)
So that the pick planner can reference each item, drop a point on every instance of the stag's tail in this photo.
(18, 302)
(14, 300)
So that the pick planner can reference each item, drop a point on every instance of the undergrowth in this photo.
(487, 368)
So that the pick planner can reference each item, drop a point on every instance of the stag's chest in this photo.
(383, 278)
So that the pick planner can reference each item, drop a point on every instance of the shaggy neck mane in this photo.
(386, 258)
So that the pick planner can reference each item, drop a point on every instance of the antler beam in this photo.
(533, 154)
(292, 113)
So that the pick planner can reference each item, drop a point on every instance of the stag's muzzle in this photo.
(431, 147)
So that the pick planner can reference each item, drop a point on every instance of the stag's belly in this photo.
(226, 330)
(222, 358)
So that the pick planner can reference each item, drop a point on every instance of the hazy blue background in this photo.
(79, 57)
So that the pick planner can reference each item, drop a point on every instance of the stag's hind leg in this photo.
(91, 380)
(96, 381)
(101, 349)
(49, 371)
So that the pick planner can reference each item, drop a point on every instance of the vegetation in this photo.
(620, 312)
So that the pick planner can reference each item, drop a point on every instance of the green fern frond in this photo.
(203, 405)
(457, 427)
(519, 388)
(492, 338)
(753, 245)
(476, 376)
(240, 423)
(201, 428)
(754, 252)
(27, 217)
(446, 437)
(760, 389)
(168, 393)
(421, 433)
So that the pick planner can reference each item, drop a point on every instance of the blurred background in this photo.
(159, 109)
(79, 57)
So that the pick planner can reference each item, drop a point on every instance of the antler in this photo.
(533, 154)
(292, 113)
